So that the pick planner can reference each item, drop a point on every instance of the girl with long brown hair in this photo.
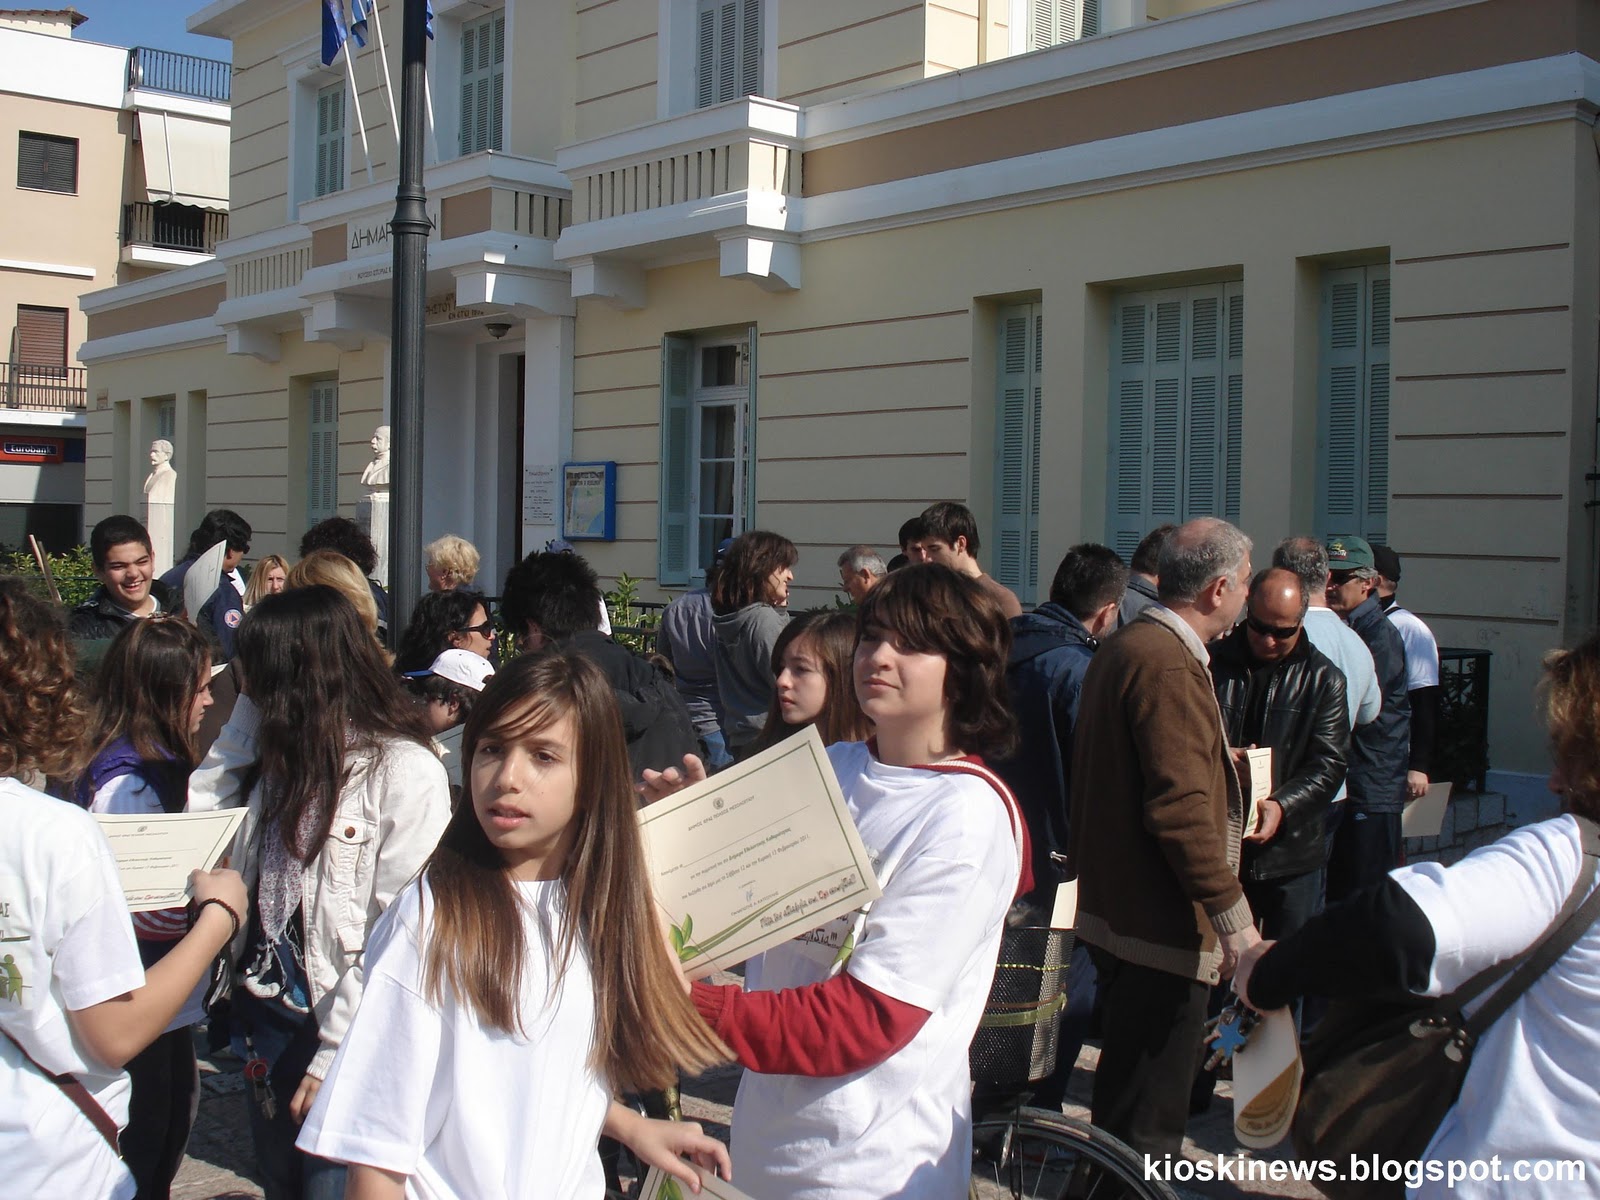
(811, 668)
(346, 801)
(522, 981)
(151, 690)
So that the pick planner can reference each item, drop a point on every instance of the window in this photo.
(330, 141)
(727, 50)
(167, 419)
(1353, 404)
(322, 452)
(707, 460)
(41, 338)
(1041, 23)
(46, 163)
(1176, 409)
(483, 83)
(1019, 403)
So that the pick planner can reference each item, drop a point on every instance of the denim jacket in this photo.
(391, 812)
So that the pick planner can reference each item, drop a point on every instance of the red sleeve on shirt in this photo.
(835, 1027)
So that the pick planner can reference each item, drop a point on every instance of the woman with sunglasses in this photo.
(453, 620)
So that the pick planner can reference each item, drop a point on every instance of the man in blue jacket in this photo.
(1364, 832)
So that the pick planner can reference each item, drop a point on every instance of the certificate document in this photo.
(156, 851)
(756, 855)
(661, 1186)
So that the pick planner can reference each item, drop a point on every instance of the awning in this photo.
(185, 160)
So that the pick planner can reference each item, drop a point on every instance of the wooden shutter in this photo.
(1051, 22)
(1090, 24)
(1018, 416)
(1233, 404)
(677, 385)
(322, 451)
(727, 50)
(47, 163)
(1166, 410)
(1353, 404)
(1202, 441)
(1130, 413)
(483, 56)
(330, 140)
(41, 336)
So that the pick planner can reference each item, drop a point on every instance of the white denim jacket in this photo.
(392, 810)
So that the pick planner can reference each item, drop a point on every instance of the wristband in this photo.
(225, 907)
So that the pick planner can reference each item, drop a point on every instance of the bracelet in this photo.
(225, 907)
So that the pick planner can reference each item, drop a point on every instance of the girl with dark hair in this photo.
(76, 1003)
(811, 663)
(447, 620)
(522, 980)
(346, 800)
(151, 690)
(856, 1034)
(749, 603)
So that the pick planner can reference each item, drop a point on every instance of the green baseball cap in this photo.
(1347, 552)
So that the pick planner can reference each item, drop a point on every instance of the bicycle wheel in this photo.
(1036, 1154)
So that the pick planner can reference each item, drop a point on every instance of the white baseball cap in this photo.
(459, 666)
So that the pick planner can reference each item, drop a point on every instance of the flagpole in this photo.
(388, 88)
(355, 101)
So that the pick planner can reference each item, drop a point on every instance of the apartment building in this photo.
(121, 173)
(1314, 265)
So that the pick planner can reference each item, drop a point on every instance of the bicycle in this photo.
(1033, 1153)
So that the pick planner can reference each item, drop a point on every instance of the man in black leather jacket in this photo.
(1278, 690)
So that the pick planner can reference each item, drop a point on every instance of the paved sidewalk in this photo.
(221, 1164)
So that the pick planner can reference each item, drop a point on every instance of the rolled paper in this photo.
(1266, 1082)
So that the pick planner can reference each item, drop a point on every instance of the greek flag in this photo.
(333, 30)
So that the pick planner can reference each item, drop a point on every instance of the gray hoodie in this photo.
(745, 682)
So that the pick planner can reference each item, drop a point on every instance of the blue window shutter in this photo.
(322, 452)
(1233, 404)
(677, 365)
(748, 463)
(1166, 411)
(1375, 486)
(1127, 513)
(1013, 456)
(1030, 583)
(1340, 403)
(1202, 440)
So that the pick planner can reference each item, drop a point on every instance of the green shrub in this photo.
(73, 572)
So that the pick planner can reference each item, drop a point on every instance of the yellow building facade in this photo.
(1317, 267)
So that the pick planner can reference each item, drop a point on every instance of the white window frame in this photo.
(677, 47)
(692, 410)
(307, 77)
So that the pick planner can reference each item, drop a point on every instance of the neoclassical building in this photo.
(1314, 265)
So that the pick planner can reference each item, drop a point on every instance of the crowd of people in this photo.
(433, 945)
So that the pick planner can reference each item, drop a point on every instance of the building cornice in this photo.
(180, 336)
(172, 283)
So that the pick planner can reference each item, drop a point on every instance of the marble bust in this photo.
(376, 475)
(162, 480)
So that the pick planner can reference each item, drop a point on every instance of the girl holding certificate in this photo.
(856, 1035)
(150, 692)
(522, 980)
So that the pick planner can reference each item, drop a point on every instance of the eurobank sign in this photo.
(32, 450)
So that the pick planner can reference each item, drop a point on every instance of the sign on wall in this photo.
(32, 450)
(589, 501)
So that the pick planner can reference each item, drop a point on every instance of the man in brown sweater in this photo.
(1157, 814)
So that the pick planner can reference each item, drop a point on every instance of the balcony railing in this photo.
(179, 74)
(173, 227)
(24, 385)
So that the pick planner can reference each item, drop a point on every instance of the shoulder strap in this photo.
(1574, 919)
(78, 1094)
(1019, 828)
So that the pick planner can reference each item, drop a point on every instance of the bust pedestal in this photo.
(372, 514)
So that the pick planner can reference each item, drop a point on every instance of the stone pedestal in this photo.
(158, 520)
(372, 514)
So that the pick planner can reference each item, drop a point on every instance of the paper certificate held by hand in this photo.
(755, 855)
(658, 1185)
(1255, 773)
(155, 852)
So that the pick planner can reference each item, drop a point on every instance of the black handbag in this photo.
(1380, 1075)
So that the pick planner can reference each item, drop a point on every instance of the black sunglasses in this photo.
(486, 629)
(1281, 633)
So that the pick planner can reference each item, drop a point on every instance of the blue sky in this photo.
(155, 23)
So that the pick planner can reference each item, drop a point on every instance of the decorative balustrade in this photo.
(173, 227)
(180, 74)
(26, 385)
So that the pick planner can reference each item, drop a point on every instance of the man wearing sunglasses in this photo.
(1365, 831)
(1279, 691)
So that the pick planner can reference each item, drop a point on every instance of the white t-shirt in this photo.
(464, 1111)
(1533, 1088)
(65, 943)
(1349, 653)
(945, 855)
(1422, 652)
